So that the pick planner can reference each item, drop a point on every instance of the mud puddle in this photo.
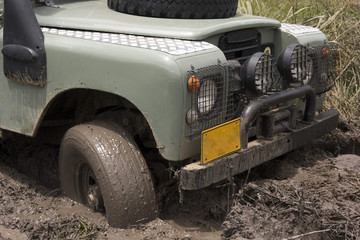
(311, 193)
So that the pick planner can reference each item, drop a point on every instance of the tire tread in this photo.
(183, 9)
(124, 178)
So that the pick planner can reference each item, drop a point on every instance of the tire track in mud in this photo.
(322, 200)
(311, 193)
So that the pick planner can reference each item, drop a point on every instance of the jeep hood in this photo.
(94, 15)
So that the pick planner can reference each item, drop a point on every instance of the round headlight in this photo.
(257, 72)
(295, 64)
(207, 96)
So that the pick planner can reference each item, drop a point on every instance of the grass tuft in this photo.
(71, 228)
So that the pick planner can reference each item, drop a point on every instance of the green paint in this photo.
(154, 81)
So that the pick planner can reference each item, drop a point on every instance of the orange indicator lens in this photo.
(325, 52)
(193, 84)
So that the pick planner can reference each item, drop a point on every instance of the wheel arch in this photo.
(78, 105)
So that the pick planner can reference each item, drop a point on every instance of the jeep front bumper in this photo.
(196, 176)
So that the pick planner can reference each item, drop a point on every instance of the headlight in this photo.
(207, 96)
(211, 102)
(192, 116)
(295, 64)
(257, 72)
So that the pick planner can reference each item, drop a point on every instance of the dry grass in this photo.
(339, 20)
(71, 228)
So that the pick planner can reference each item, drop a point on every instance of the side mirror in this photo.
(23, 49)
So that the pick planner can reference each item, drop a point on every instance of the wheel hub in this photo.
(94, 198)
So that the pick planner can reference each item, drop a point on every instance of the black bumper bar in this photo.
(195, 176)
(253, 109)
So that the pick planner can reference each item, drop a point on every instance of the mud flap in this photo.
(23, 49)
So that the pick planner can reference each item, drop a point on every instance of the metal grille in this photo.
(318, 73)
(324, 67)
(240, 45)
(211, 103)
(264, 74)
(301, 64)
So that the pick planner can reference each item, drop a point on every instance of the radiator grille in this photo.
(240, 45)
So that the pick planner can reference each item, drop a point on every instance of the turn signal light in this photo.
(325, 53)
(193, 84)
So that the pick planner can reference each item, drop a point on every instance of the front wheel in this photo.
(101, 166)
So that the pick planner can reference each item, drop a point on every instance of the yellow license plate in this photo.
(220, 141)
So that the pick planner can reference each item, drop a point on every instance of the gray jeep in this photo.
(142, 93)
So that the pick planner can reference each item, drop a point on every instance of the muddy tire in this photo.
(101, 166)
(184, 9)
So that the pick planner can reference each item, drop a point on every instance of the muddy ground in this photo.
(310, 193)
